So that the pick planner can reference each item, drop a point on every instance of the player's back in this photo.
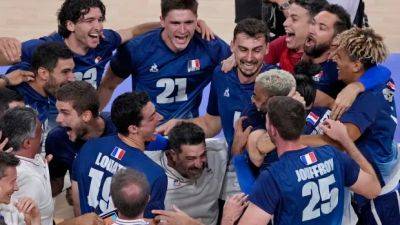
(96, 163)
(307, 186)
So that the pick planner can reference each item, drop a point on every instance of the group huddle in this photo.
(308, 121)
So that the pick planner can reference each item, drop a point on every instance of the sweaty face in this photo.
(150, 120)
(345, 66)
(249, 53)
(296, 27)
(8, 184)
(87, 31)
(60, 75)
(192, 160)
(69, 119)
(321, 35)
(259, 97)
(179, 27)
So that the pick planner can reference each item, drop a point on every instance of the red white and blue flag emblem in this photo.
(312, 118)
(308, 158)
(118, 153)
(193, 65)
(391, 85)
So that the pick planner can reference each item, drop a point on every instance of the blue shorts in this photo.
(383, 210)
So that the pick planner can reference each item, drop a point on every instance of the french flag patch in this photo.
(312, 118)
(308, 158)
(118, 153)
(193, 65)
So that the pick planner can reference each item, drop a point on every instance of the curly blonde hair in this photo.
(362, 44)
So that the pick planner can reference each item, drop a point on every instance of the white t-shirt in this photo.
(198, 198)
(11, 214)
(34, 182)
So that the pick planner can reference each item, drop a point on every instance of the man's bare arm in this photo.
(129, 33)
(107, 86)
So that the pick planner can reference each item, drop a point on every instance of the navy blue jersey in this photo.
(229, 98)
(89, 67)
(45, 106)
(306, 186)
(374, 113)
(96, 163)
(174, 81)
(327, 80)
(64, 150)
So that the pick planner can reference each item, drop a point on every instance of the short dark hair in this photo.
(73, 10)
(6, 97)
(17, 132)
(185, 133)
(81, 95)
(126, 110)
(312, 6)
(251, 27)
(343, 23)
(168, 5)
(305, 85)
(287, 116)
(7, 160)
(129, 204)
(47, 55)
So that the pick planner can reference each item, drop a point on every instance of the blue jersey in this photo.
(374, 113)
(229, 98)
(174, 81)
(96, 163)
(306, 186)
(45, 106)
(327, 80)
(64, 150)
(89, 67)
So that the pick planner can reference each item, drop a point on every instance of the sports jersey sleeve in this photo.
(361, 114)
(351, 169)
(157, 196)
(212, 107)
(75, 165)
(57, 146)
(374, 76)
(112, 38)
(122, 62)
(254, 118)
(265, 193)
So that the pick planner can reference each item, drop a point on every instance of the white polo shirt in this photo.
(198, 198)
(34, 182)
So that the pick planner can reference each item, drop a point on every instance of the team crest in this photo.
(389, 91)
(118, 153)
(193, 65)
(318, 76)
(97, 59)
(226, 93)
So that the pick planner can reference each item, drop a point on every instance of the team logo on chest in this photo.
(97, 59)
(193, 65)
(226, 93)
(118, 153)
(154, 68)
